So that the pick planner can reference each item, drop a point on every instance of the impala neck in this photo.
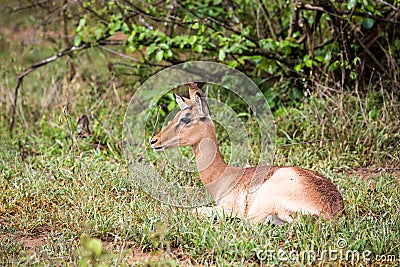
(210, 163)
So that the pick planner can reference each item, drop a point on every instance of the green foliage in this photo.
(268, 40)
(92, 252)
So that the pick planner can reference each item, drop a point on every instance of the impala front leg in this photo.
(215, 212)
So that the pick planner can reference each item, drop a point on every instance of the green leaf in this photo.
(351, 4)
(319, 58)
(171, 105)
(368, 23)
(83, 262)
(353, 75)
(93, 245)
(271, 103)
(334, 66)
(169, 53)
(77, 40)
(152, 47)
(192, 39)
(268, 43)
(328, 57)
(163, 46)
(125, 28)
(202, 29)
(195, 26)
(81, 24)
(308, 63)
(98, 33)
(198, 48)
(233, 64)
(241, 60)
(356, 60)
(159, 55)
(221, 55)
(141, 36)
(131, 48)
(296, 94)
(131, 37)
(298, 67)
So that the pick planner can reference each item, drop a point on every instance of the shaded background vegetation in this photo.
(100, 51)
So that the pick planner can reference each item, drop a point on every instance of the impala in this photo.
(282, 193)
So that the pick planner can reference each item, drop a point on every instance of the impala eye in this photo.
(185, 120)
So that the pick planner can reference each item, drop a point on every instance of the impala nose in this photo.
(153, 141)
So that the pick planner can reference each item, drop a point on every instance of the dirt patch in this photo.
(30, 243)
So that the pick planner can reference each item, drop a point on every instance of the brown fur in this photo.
(252, 192)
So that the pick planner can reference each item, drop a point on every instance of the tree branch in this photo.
(267, 17)
(389, 4)
(34, 66)
(173, 9)
(340, 13)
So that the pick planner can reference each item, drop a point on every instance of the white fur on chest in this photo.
(234, 202)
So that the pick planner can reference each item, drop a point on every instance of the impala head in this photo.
(191, 125)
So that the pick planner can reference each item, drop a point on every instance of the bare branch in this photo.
(339, 13)
(267, 17)
(32, 68)
(23, 7)
(388, 4)
(130, 58)
(173, 10)
(294, 19)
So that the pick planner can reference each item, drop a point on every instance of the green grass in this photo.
(63, 190)
(64, 198)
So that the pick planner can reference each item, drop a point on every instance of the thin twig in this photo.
(359, 100)
(388, 4)
(308, 142)
(140, 158)
(118, 54)
(371, 54)
(268, 17)
(131, 58)
(339, 13)
(294, 18)
(101, 19)
(384, 109)
(105, 126)
(67, 117)
(23, 7)
(173, 10)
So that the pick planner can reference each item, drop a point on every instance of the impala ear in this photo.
(194, 89)
(181, 101)
(202, 103)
